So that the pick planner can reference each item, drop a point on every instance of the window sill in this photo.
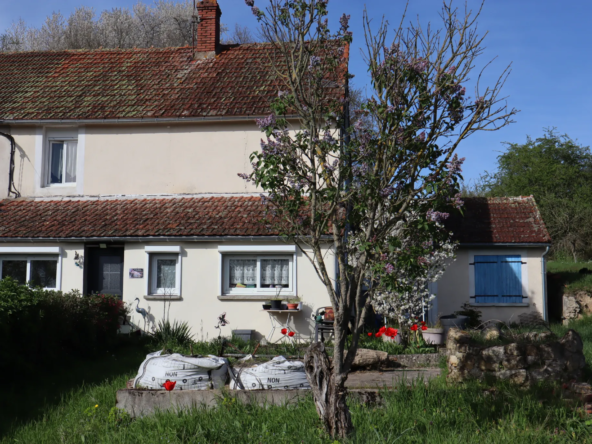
(163, 297)
(517, 304)
(251, 297)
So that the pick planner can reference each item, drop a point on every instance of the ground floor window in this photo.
(267, 274)
(39, 271)
(165, 274)
(498, 279)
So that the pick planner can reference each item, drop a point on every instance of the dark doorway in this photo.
(104, 270)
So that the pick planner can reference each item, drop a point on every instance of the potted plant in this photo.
(293, 303)
(276, 303)
(267, 305)
(452, 320)
(433, 335)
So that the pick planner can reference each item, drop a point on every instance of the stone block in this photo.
(572, 342)
(369, 358)
(514, 349)
(551, 351)
(519, 377)
(453, 361)
(511, 362)
(491, 333)
(532, 350)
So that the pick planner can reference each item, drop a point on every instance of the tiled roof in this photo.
(132, 217)
(499, 220)
(493, 220)
(136, 83)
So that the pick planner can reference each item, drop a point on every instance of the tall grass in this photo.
(570, 276)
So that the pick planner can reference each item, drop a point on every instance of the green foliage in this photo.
(431, 412)
(472, 313)
(177, 334)
(558, 173)
(39, 327)
(568, 275)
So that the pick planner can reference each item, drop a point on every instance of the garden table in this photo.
(275, 323)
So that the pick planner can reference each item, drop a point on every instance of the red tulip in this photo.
(169, 385)
(413, 327)
(378, 335)
(424, 328)
(291, 334)
(422, 322)
(370, 334)
(284, 331)
(382, 330)
(391, 332)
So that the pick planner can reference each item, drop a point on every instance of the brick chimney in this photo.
(208, 29)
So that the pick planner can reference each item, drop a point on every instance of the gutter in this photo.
(136, 120)
(544, 278)
(145, 239)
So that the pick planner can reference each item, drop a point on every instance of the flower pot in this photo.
(329, 314)
(292, 306)
(450, 321)
(266, 306)
(276, 304)
(433, 336)
(397, 339)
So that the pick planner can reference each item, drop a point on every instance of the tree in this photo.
(165, 24)
(558, 173)
(374, 194)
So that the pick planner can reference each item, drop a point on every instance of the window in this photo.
(252, 274)
(39, 271)
(498, 279)
(61, 162)
(164, 274)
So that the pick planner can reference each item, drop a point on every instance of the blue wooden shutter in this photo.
(510, 279)
(498, 279)
(486, 285)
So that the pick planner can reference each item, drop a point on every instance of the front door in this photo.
(104, 271)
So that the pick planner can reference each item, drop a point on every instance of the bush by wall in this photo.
(41, 327)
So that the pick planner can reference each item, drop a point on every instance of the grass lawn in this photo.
(569, 274)
(60, 408)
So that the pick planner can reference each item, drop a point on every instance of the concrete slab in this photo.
(389, 378)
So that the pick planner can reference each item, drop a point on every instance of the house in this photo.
(120, 170)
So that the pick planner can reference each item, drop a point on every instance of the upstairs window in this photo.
(61, 162)
(498, 279)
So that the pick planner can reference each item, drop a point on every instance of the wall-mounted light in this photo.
(78, 259)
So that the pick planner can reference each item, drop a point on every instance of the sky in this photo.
(547, 42)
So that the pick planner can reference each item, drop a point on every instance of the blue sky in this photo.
(548, 42)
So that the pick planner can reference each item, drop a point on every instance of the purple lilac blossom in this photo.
(268, 121)
(256, 11)
(250, 3)
(389, 268)
(436, 216)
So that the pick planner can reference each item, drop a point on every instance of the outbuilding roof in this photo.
(499, 220)
(485, 220)
(138, 84)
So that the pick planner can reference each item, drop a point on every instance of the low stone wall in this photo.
(576, 305)
(520, 363)
(431, 360)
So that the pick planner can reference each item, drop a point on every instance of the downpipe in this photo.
(544, 277)
(11, 188)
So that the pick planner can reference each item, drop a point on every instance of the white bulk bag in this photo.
(189, 373)
(277, 374)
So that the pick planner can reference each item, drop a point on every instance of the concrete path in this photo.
(389, 378)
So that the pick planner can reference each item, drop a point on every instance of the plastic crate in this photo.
(245, 335)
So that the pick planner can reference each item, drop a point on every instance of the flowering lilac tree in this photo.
(375, 193)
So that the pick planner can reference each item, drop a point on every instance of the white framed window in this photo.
(165, 274)
(61, 160)
(265, 274)
(37, 270)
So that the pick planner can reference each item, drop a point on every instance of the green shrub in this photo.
(177, 334)
(38, 327)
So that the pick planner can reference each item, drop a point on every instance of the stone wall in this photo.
(535, 358)
(575, 305)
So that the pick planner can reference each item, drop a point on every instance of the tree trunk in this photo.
(328, 390)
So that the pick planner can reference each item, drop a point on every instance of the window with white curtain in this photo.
(61, 161)
(39, 271)
(251, 274)
(164, 274)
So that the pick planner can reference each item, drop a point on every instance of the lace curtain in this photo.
(166, 270)
(243, 273)
(274, 273)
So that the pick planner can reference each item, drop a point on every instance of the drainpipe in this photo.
(544, 277)
(11, 188)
